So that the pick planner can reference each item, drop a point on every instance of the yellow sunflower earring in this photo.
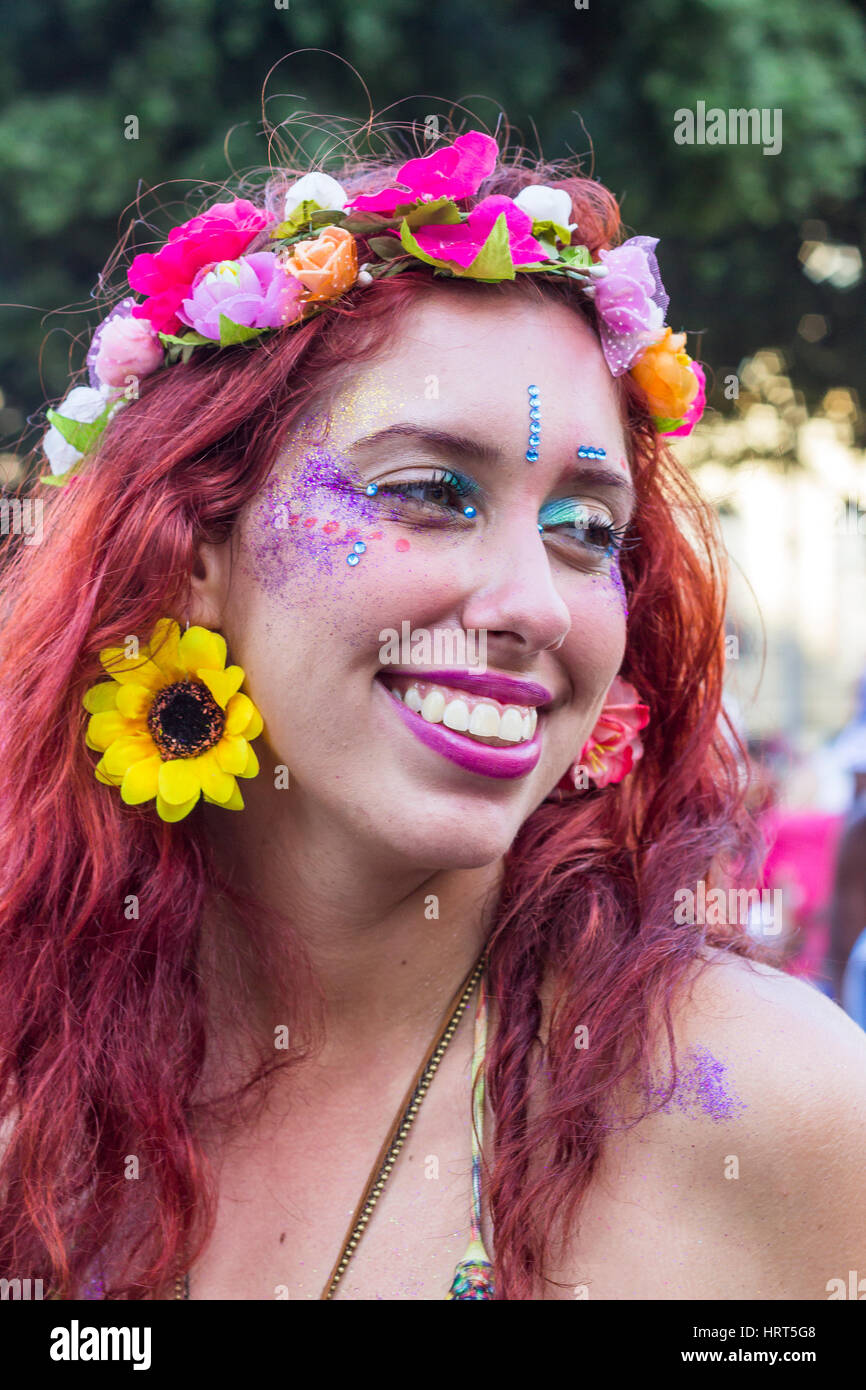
(172, 722)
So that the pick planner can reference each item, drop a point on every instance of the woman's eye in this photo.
(444, 492)
(576, 522)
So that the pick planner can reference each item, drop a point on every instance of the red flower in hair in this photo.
(614, 745)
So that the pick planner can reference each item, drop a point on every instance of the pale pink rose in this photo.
(127, 347)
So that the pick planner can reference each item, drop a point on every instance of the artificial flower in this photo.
(630, 301)
(221, 233)
(455, 171)
(614, 745)
(316, 190)
(327, 264)
(83, 406)
(549, 208)
(664, 374)
(123, 346)
(172, 723)
(696, 409)
(254, 291)
(469, 245)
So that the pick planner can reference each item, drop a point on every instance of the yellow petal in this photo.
(141, 780)
(215, 784)
(242, 717)
(124, 751)
(222, 684)
(163, 648)
(100, 697)
(200, 647)
(134, 700)
(232, 754)
(252, 764)
(234, 803)
(170, 811)
(103, 776)
(255, 726)
(138, 670)
(103, 728)
(179, 779)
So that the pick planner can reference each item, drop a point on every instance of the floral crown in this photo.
(236, 272)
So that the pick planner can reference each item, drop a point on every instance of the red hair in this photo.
(103, 1037)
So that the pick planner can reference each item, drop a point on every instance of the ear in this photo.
(209, 584)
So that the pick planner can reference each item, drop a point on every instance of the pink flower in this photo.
(460, 242)
(220, 233)
(614, 747)
(123, 346)
(255, 291)
(457, 171)
(630, 301)
(696, 409)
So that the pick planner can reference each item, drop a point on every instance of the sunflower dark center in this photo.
(185, 720)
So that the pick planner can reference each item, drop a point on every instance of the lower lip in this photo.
(481, 758)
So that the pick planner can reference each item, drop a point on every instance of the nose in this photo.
(515, 598)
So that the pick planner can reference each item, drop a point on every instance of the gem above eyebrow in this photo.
(591, 451)
(534, 425)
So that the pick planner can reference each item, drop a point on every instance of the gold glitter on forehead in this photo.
(359, 405)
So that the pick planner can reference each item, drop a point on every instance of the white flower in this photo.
(545, 204)
(84, 404)
(315, 188)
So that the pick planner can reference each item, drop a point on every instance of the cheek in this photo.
(598, 635)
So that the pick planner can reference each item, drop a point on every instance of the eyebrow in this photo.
(476, 451)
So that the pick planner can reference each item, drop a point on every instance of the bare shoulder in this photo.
(745, 1180)
(784, 1040)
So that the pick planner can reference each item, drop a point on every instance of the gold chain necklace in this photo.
(387, 1156)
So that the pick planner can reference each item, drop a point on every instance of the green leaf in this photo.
(493, 261)
(576, 256)
(80, 434)
(386, 247)
(665, 425)
(441, 211)
(171, 339)
(307, 216)
(411, 245)
(57, 479)
(231, 332)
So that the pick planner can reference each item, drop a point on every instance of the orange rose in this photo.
(664, 375)
(326, 264)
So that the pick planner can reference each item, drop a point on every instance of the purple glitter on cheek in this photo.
(703, 1088)
(612, 579)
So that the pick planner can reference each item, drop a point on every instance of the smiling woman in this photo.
(264, 1018)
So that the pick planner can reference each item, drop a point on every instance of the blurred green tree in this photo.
(601, 78)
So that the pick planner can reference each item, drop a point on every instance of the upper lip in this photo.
(505, 689)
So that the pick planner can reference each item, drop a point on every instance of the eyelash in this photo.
(462, 487)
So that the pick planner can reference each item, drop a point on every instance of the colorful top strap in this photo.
(473, 1277)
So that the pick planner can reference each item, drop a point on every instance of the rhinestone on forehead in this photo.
(534, 425)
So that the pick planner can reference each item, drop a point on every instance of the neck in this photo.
(389, 943)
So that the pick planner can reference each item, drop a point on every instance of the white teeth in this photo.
(456, 716)
(485, 721)
(433, 707)
(511, 724)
